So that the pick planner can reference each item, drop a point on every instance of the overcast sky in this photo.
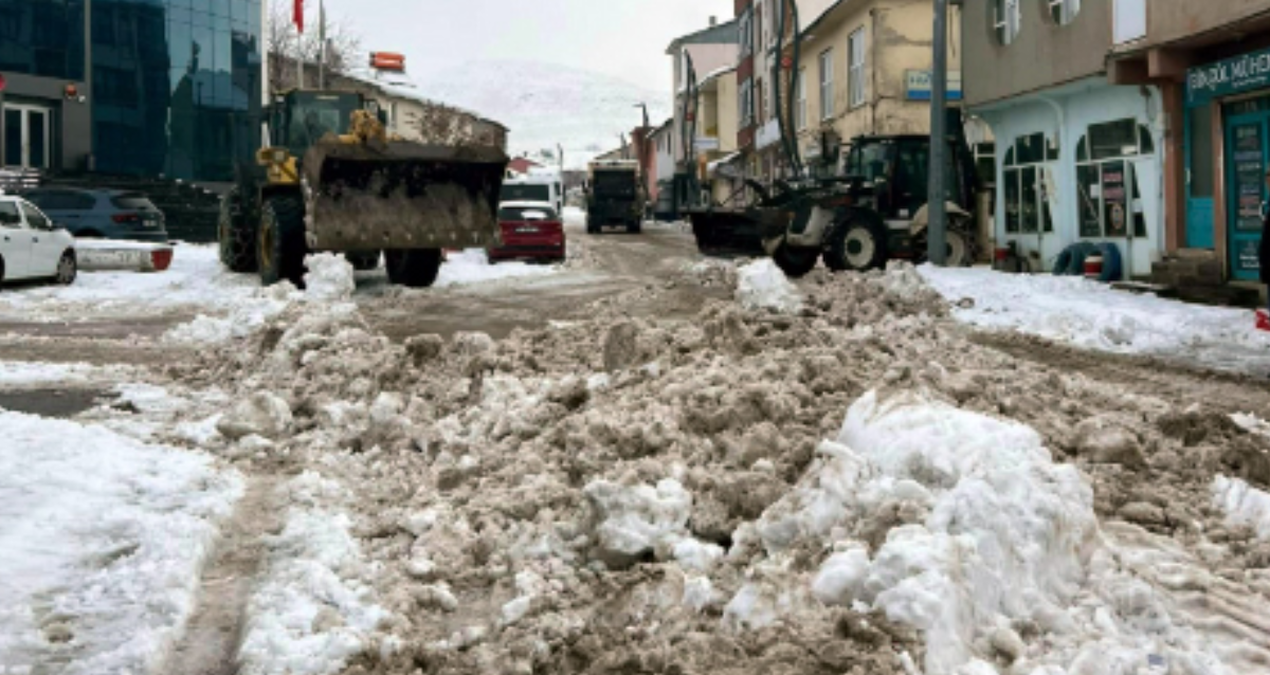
(623, 38)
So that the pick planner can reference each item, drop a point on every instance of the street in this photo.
(625, 459)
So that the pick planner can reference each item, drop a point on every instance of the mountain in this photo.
(544, 104)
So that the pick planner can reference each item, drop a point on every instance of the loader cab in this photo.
(298, 119)
(895, 172)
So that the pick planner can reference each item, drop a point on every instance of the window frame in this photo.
(1135, 222)
(825, 61)
(800, 122)
(856, 65)
(1015, 166)
(1006, 21)
(1062, 12)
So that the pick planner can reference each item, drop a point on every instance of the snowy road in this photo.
(636, 461)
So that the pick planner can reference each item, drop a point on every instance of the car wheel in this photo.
(281, 245)
(67, 269)
(856, 245)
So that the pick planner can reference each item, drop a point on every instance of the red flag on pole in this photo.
(299, 15)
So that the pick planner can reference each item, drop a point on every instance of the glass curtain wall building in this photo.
(170, 87)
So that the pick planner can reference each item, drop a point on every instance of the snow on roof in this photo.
(713, 166)
(710, 77)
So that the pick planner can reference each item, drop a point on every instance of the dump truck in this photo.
(615, 196)
(330, 178)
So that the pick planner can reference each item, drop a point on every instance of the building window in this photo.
(747, 103)
(826, 84)
(1109, 196)
(1028, 178)
(1129, 19)
(1005, 20)
(855, 69)
(1063, 11)
(802, 99)
(746, 37)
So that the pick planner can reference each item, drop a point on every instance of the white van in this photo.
(539, 185)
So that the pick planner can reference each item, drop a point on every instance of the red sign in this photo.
(2, 82)
(299, 15)
(787, 62)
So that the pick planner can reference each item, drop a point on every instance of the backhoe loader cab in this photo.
(332, 179)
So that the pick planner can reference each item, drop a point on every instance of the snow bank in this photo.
(1093, 316)
(473, 267)
(242, 317)
(29, 374)
(104, 538)
(314, 609)
(196, 278)
(1243, 504)
(962, 526)
(762, 285)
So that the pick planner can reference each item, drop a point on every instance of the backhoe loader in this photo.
(330, 178)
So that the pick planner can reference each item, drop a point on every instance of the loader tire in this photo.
(795, 262)
(856, 245)
(235, 235)
(413, 268)
(634, 228)
(363, 261)
(282, 247)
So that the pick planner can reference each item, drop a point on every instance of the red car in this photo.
(531, 230)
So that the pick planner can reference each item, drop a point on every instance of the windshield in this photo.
(312, 116)
(526, 213)
(869, 161)
(525, 193)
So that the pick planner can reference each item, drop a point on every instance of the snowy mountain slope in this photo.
(544, 104)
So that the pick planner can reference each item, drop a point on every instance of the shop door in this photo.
(27, 138)
(1246, 138)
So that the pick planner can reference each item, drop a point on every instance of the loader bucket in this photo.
(735, 232)
(401, 195)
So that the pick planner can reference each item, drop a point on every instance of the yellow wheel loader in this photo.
(330, 178)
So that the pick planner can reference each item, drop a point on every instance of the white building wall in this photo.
(1069, 115)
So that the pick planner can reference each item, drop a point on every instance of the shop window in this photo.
(1108, 190)
(1027, 178)
(1005, 20)
(1062, 12)
(985, 163)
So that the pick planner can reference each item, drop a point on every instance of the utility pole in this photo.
(322, 45)
(936, 206)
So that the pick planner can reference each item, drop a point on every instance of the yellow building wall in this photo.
(728, 115)
(897, 39)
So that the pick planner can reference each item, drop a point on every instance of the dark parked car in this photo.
(106, 214)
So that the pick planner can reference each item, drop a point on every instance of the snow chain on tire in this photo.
(235, 235)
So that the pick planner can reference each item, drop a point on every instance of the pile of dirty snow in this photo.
(104, 539)
(762, 285)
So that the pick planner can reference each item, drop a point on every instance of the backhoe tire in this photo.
(856, 245)
(413, 268)
(363, 261)
(282, 248)
(235, 234)
(634, 228)
(795, 262)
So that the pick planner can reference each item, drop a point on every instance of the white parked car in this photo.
(31, 246)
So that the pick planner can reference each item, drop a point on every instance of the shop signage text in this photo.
(1232, 76)
(917, 85)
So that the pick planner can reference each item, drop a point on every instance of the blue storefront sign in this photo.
(1225, 78)
(917, 85)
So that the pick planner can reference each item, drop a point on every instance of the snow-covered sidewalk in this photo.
(102, 539)
(1093, 316)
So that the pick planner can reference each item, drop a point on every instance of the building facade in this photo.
(143, 87)
(1077, 157)
(1210, 63)
(864, 69)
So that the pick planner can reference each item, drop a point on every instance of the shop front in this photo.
(1227, 152)
(1079, 164)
